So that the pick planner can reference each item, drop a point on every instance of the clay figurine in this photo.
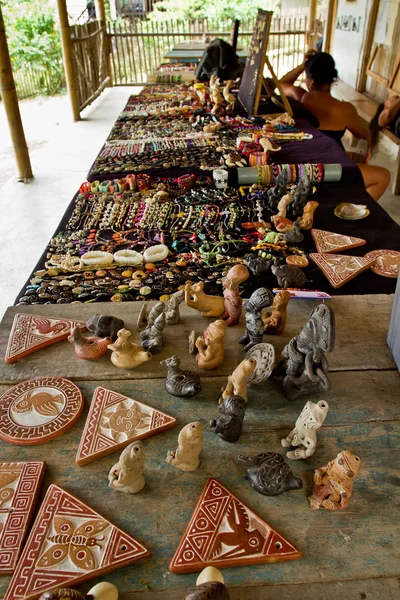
(233, 302)
(228, 97)
(306, 366)
(190, 442)
(300, 196)
(125, 354)
(155, 312)
(333, 484)
(261, 298)
(288, 277)
(127, 474)
(307, 219)
(88, 348)
(184, 384)
(104, 326)
(142, 318)
(304, 433)
(209, 306)
(275, 321)
(257, 264)
(278, 191)
(211, 346)
(102, 591)
(210, 585)
(293, 236)
(62, 594)
(152, 338)
(229, 424)
(238, 381)
(269, 475)
(283, 204)
(172, 315)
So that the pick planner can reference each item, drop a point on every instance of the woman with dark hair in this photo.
(387, 115)
(334, 116)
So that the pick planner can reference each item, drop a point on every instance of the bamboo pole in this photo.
(10, 100)
(67, 53)
(101, 16)
(369, 38)
(312, 15)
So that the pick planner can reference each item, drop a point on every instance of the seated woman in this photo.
(387, 115)
(334, 116)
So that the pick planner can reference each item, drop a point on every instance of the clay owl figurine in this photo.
(237, 382)
(333, 484)
(190, 442)
(127, 475)
(211, 346)
(275, 321)
(304, 434)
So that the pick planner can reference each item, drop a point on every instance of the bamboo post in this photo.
(312, 15)
(67, 53)
(101, 16)
(330, 25)
(369, 38)
(10, 100)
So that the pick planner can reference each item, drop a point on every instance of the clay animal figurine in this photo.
(306, 366)
(127, 474)
(283, 204)
(104, 326)
(88, 348)
(190, 442)
(184, 384)
(300, 196)
(155, 312)
(229, 424)
(288, 276)
(275, 321)
(293, 236)
(257, 264)
(125, 354)
(229, 98)
(261, 298)
(333, 484)
(238, 380)
(278, 191)
(307, 219)
(152, 338)
(209, 306)
(62, 594)
(304, 434)
(102, 591)
(233, 302)
(269, 475)
(211, 346)
(209, 586)
(172, 315)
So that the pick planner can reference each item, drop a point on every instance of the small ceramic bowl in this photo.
(351, 212)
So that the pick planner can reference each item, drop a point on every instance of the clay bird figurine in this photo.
(184, 384)
(211, 346)
(269, 475)
(304, 435)
(229, 424)
(127, 474)
(104, 326)
(333, 484)
(190, 442)
(237, 381)
(233, 302)
(88, 348)
(125, 354)
(275, 321)
(209, 306)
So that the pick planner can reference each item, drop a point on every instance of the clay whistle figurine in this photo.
(104, 326)
(278, 191)
(333, 484)
(300, 195)
(257, 264)
(209, 306)
(127, 474)
(293, 236)
(288, 276)
(269, 475)
(233, 302)
(88, 348)
(184, 384)
(102, 591)
(307, 219)
(155, 312)
(190, 442)
(283, 204)
(275, 321)
(229, 424)
(210, 585)
(306, 366)
(172, 315)
(152, 338)
(211, 346)
(238, 381)
(304, 435)
(261, 298)
(62, 594)
(125, 354)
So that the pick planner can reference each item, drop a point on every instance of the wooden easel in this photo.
(281, 99)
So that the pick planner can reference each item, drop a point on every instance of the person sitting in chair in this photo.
(387, 115)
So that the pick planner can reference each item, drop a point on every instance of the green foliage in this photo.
(214, 9)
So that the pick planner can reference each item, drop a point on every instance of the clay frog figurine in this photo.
(190, 442)
(211, 346)
(125, 354)
(238, 380)
(261, 298)
(304, 434)
(275, 321)
(210, 585)
(88, 348)
(127, 474)
(104, 326)
(269, 475)
(333, 484)
(209, 306)
(233, 302)
(184, 384)
(229, 424)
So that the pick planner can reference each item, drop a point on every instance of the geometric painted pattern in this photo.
(69, 543)
(225, 532)
(20, 484)
(33, 332)
(327, 241)
(339, 269)
(114, 421)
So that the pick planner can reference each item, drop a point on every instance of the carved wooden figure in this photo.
(88, 348)
(304, 434)
(275, 321)
(238, 380)
(233, 302)
(211, 346)
(127, 474)
(261, 298)
(333, 484)
(209, 306)
(190, 442)
(229, 424)
(125, 354)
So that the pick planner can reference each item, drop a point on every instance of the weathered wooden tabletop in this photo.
(343, 553)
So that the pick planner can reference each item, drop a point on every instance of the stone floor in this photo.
(61, 154)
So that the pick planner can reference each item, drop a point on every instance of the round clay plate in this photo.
(38, 410)
(387, 262)
(354, 211)
(265, 357)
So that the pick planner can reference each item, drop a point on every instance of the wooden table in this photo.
(343, 553)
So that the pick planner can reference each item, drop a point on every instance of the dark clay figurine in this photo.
(62, 594)
(211, 590)
(229, 424)
(261, 298)
(152, 339)
(293, 236)
(300, 196)
(104, 326)
(278, 191)
(257, 265)
(269, 475)
(184, 384)
(288, 276)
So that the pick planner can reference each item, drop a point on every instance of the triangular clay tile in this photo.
(339, 269)
(33, 332)
(20, 483)
(327, 241)
(224, 532)
(114, 421)
(69, 543)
